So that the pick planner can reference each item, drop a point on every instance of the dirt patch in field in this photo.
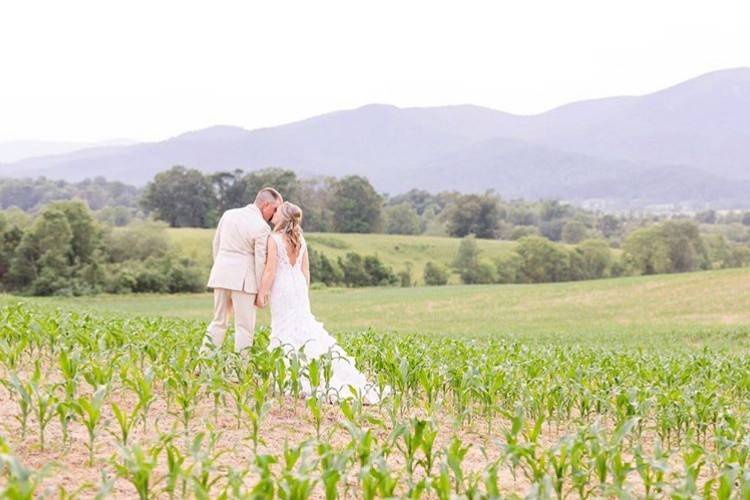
(288, 423)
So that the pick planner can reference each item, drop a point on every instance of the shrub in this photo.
(167, 274)
(597, 258)
(739, 256)
(405, 276)
(542, 261)
(322, 270)
(402, 219)
(353, 267)
(482, 274)
(519, 232)
(361, 271)
(378, 273)
(508, 269)
(574, 231)
(435, 274)
(670, 247)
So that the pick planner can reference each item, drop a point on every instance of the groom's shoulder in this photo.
(236, 212)
(231, 213)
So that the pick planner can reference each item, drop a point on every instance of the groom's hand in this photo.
(260, 300)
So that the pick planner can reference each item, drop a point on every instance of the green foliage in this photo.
(285, 181)
(669, 247)
(356, 206)
(236, 188)
(322, 270)
(508, 269)
(596, 258)
(435, 274)
(10, 237)
(468, 254)
(468, 265)
(182, 197)
(43, 260)
(361, 271)
(353, 270)
(165, 274)
(574, 231)
(116, 216)
(66, 252)
(402, 219)
(475, 214)
(519, 232)
(405, 276)
(138, 242)
(739, 256)
(542, 260)
(33, 194)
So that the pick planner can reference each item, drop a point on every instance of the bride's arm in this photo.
(269, 273)
(306, 268)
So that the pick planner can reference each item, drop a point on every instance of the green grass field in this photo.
(395, 250)
(682, 310)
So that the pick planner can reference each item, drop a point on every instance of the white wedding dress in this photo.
(294, 328)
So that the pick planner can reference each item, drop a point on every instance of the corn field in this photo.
(100, 407)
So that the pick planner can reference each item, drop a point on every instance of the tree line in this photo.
(67, 247)
(64, 250)
(671, 246)
(184, 197)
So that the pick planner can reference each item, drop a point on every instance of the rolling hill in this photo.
(396, 251)
(689, 143)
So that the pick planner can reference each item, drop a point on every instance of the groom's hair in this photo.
(267, 195)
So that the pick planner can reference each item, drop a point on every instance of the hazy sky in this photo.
(93, 70)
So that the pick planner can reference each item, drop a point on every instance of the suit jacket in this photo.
(239, 250)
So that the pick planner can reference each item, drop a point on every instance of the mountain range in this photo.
(19, 150)
(688, 144)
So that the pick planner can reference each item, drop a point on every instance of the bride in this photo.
(293, 326)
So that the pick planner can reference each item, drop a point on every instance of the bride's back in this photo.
(289, 291)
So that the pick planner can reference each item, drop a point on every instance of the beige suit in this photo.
(239, 252)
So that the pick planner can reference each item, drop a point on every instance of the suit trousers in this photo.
(243, 306)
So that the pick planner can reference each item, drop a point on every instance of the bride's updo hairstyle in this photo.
(290, 224)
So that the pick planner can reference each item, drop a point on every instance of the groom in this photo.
(239, 258)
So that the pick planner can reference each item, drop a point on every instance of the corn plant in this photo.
(296, 483)
(256, 412)
(70, 365)
(185, 389)
(142, 385)
(45, 406)
(177, 472)
(22, 394)
(454, 456)
(89, 410)
(266, 485)
(205, 457)
(314, 405)
(125, 422)
(332, 468)
(137, 466)
(20, 482)
(411, 440)
(65, 411)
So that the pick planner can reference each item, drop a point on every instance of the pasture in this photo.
(396, 251)
(678, 310)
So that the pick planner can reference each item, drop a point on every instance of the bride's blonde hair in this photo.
(290, 224)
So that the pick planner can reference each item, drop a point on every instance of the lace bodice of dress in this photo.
(289, 294)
